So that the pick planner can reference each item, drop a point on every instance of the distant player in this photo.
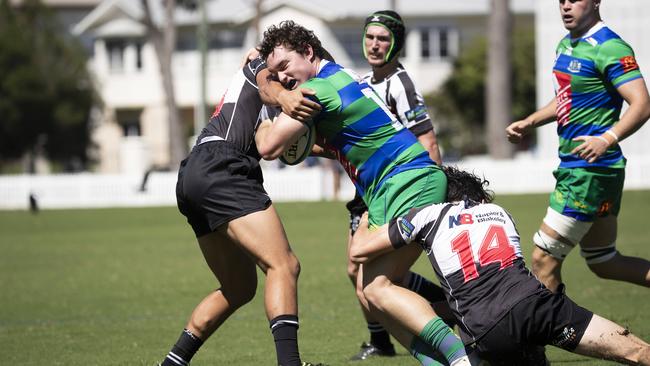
(595, 70)
(220, 191)
(383, 40)
(504, 312)
(389, 167)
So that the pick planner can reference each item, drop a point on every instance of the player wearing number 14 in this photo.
(502, 309)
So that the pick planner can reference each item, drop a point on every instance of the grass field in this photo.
(115, 286)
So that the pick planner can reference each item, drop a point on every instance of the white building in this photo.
(131, 130)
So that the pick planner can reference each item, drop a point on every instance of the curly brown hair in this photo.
(293, 36)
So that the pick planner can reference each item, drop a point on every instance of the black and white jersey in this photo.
(476, 255)
(405, 103)
(236, 117)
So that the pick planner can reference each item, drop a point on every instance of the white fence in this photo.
(521, 175)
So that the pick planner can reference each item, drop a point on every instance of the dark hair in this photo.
(293, 36)
(465, 186)
(391, 21)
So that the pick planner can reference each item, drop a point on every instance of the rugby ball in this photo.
(300, 149)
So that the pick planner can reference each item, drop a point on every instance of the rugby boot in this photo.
(369, 350)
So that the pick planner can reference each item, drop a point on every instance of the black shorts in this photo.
(218, 183)
(541, 319)
(356, 207)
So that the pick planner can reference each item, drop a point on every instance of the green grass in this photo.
(115, 286)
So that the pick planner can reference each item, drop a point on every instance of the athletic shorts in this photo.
(538, 320)
(356, 207)
(218, 183)
(407, 190)
(587, 193)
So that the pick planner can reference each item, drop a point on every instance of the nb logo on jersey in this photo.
(462, 219)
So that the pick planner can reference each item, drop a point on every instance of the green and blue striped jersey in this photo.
(587, 72)
(366, 138)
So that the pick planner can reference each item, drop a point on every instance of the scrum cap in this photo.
(391, 21)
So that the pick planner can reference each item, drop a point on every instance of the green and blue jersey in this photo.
(368, 141)
(587, 72)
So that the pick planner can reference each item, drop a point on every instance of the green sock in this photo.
(439, 336)
(424, 353)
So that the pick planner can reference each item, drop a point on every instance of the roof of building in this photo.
(237, 12)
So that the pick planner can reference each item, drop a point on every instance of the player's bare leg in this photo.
(547, 268)
(606, 339)
(619, 267)
(261, 235)
(379, 344)
(236, 273)
(389, 298)
(406, 308)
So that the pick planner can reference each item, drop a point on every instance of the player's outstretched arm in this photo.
(273, 138)
(635, 94)
(517, 130)
(293, 102)
(367, 244)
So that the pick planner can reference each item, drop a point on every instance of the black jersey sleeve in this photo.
(253, 68)
(410, 227)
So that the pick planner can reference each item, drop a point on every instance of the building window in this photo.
(426, 44)
(351, 39)
(115, 49)
(438, 43)
(138, 55)
(186, 40)
(226, 38)
(129, 120)
(443, 44)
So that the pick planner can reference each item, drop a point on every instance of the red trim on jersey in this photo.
(628, 63)
(220, 105)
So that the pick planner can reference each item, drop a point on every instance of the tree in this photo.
(499, 90)
(163, 39)
(46, 91)
(459, 105)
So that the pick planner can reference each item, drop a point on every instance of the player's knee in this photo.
(569, 230)
(542, 261)
(373, 291)
(293, 266)
(600, 260)
(286, 265)
(353, 271)
(240, 294)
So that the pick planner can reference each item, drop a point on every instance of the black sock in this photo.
(379, 337)
(285, 334)
(425, 288)
(183, 350)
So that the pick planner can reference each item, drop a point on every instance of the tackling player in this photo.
(220, 191)
(504, 312)
(389, 167)
(594, 72)
(383, 40)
